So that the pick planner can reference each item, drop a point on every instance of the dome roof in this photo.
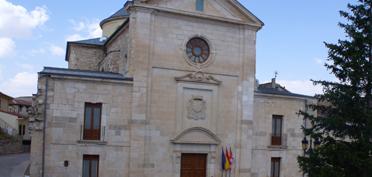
(120, 14)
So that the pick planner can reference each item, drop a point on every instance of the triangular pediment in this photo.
(228, 9)
(196, 135)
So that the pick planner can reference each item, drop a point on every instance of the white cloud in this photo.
(56, 50)
(39, 51)
(319, 61)
(84, 29)
(74, 37)
(305, 87)
(17, 21)
(22, 84)
(1, 72)
(7, 47)
(26, 67)
(94, 30)
(78, 26)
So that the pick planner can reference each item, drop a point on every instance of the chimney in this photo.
(257, 84)
(273, 82)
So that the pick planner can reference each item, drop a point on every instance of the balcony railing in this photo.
(278, 141)
(100, 141)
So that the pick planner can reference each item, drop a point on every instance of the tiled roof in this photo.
(268, 88)
(5, 96)
(117, 15)
(27, 101)
(83, 73)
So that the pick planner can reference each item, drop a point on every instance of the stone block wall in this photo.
(265, 107)
(157, 47)
(117, 54)
(85, 57)
(65, 114)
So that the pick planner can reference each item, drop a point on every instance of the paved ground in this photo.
(14, 165)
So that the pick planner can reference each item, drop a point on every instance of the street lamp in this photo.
(305, 144)
(308, 150)
(317, 143)
(308, 147)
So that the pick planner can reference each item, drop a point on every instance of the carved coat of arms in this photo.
(196, 108)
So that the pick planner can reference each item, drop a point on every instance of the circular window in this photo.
(197, 50)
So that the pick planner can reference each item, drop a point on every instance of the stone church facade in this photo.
(167, 86)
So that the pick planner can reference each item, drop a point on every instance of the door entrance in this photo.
(194, 165)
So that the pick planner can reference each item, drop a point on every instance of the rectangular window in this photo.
(92, 121)
(19, 129)
(276, 137)
(200, 5)
(275, 167)
(24, 130)
(90, 165)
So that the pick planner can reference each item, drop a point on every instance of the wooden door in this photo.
(90, 165)
(92, 121)
(194, 165)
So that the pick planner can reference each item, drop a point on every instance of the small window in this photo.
(90, 165)
(275, 167)
(23, 129)
(19, 129)
(276, 137)
(92, 121)
(200, 5)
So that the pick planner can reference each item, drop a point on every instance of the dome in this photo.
(110, 24)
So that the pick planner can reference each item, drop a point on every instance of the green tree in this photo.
(343, 124)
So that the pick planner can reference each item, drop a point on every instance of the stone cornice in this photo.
(91, 79)
(253, 26)
(284, 96)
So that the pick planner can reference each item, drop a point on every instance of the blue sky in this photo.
(33, 34)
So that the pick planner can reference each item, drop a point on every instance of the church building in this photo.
(169, 90)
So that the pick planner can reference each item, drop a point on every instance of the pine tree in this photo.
(343, 124)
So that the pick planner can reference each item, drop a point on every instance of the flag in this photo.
(231, 156)
(227, 161)
(227, 155)
(223, 159)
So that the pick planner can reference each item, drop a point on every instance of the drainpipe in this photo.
(44, 126)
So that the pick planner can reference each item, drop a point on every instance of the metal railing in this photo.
(102, 133)
(278, 141)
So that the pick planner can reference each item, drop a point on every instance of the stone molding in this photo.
(97, 142)
(199, 77)
(197, 135)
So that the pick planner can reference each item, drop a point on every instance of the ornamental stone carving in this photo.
(196, 108)
(200, 77)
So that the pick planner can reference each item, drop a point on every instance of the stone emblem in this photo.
(196, 109)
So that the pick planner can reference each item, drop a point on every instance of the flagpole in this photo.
(223, 161)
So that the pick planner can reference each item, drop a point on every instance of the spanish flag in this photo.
(231, 157)
(227, 160)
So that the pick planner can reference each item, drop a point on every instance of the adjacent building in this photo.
(21, 106)
(168, 85)
(8, 120)
(14, 114)
(4, 101)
